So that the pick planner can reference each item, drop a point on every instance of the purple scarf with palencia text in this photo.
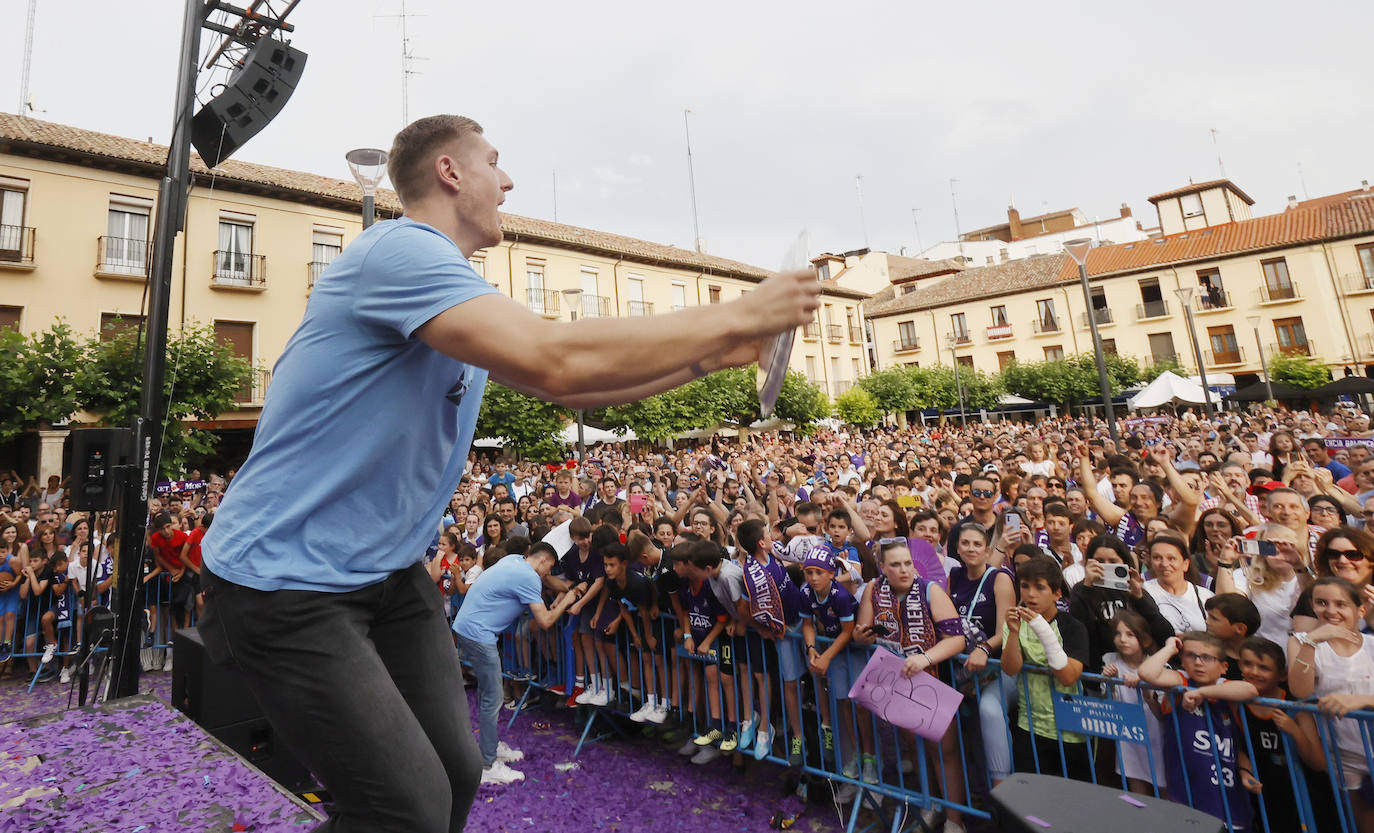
(765, 600)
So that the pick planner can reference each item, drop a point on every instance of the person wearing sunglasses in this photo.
(983, 494)
(1344, 552)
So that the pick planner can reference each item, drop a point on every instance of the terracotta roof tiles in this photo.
(1202, 186)
(972, 284)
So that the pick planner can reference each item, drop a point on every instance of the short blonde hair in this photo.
(414, 149)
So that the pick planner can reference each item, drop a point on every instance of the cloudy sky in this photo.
(1055, 104)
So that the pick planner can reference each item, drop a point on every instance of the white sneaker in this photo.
(600, 698)
(48, 653)
(66, 676)
(586, 698)
(658, 715)
(763, 743)
(167, 664)
(499, 773)
(508, 754)
(641, 714)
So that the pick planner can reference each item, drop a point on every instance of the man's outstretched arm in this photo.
(570, 363)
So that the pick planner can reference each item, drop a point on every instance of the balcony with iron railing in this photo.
(595, 306)
(1285, 293)
(1152, 309)
(811, 331)
(1165, 358)
(841, 387)
(254, 391)
(543, 301)
(1304, 348)
(834, 333)
(1046, 325)
(16, 246)
(962, 339)
(238, 270)
(1213, 300)
(121, 257)
(639, 309)
(904, 346)
(313, 270)
(1358, 282)
(1103, 316)
(856, 334)
(1222, 358)
(998, 332)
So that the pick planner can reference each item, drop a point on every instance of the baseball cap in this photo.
(819, 557)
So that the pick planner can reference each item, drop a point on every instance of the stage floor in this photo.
(139, 766)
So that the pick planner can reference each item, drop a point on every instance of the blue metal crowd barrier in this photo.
(1095, 728)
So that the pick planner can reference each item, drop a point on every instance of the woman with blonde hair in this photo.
(1273, 582)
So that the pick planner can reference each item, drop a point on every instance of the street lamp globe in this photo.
(368, 166)
(1078, 249)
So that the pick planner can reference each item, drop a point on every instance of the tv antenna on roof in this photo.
(408, 59)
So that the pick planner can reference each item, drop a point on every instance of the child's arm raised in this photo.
(1236, 691)
(594, 591)
(1011, 645)
(1156, 671)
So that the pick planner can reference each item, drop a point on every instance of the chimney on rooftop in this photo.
(1292, 201)
(1364, 185)
(1013, 223)
(1125, 210)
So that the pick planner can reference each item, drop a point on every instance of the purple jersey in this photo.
(791, 598)
(827, 614)
(703, 611)
(1191, 757)
(576, 569)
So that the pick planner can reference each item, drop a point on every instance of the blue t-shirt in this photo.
(508, 479)
(497, 599)
(356, 400)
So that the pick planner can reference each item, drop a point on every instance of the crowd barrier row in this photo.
(1095, 728)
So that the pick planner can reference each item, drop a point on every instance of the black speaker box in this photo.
(218, 699)
(254, 95)
(96, 455)
(1038, 803)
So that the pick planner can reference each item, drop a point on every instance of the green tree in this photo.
(891, 389)
(1068, 381)
(38, 376)
(664, 415)
(934, 387)
(531, 427)
(1299, 371)
(1152, 371)
(801, 402)
(857, 406)
(203, 380)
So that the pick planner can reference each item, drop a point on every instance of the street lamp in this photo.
(574, 297)
(1185, 297)
(1254, 321)
(1078, 250)
(368, 166)
(958, 386)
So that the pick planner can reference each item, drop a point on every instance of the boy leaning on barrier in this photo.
(1036, 634)
(1205, 732)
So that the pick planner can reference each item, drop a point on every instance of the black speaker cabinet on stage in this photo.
(96, 455)
(220, 702)
(1046, 804)
(254, 96)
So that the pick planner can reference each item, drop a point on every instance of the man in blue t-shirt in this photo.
(491, 606)
(331, 615)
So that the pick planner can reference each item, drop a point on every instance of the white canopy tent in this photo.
(1167, 389)
(592, 436)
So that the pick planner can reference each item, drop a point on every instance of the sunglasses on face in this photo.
(1349, 555)
(982, 492)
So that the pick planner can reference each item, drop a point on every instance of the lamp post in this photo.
(368, 166)
(1078, 250)
(1254, 321)
(574, 297)
(1185, 297)
(958, 386)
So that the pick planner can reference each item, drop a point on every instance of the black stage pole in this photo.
(147, 428)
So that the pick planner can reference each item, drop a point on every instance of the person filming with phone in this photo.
(1112, 583)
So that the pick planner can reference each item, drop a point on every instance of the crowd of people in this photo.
(1197, 566)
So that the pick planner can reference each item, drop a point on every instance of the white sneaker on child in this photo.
(48, 653)
(600, 698)
(658, 714)
(66, 676)
(641, 714)
(167, 665)
(499, 773)
(508, 754)
(586, 697)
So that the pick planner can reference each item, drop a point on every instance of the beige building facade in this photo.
(1303, 279)
(76, 215)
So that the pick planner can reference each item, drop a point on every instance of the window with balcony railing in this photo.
(900, 346)
(16, 243)
(1152, 309)
(122, 256)
(595, 306)
(856, 334)
(1211, 298)
(542, 301)
(1277, 286)
(834, 333)
(1101, 315)
(811, 330)
(237, 268)
(640, 308)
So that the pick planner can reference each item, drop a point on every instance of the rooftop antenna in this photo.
(916, 221)
(692, 181)
(25, 102)
(555, 196)
(957, 233)
(1220, 165)
(408, 59)
(1302, 179)
(863, 222)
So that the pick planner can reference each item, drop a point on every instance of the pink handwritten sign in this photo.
(921, 703)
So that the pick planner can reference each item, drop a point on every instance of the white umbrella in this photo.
(489, 442)
(591, 435)
(1167, 389)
